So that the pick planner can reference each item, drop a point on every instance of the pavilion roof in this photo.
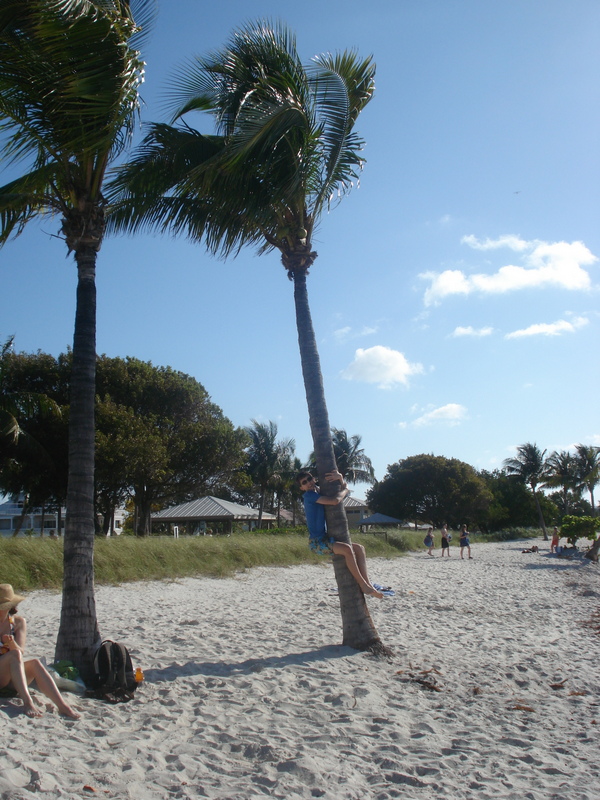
(209, 508)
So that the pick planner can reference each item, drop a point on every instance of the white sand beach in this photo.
(493, 692)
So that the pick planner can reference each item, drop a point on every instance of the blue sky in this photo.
(455, 297)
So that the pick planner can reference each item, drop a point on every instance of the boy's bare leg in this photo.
(355, 559)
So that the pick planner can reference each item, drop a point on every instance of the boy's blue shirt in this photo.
(315, 515)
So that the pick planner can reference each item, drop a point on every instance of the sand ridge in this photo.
(492, 692)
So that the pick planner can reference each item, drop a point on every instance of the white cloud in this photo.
(550, 328)
(343, 334)
(557, 264)
(450, 414)
(470, 331)
(507, 240)
(381, 365)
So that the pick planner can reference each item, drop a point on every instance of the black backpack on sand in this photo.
(114, 679)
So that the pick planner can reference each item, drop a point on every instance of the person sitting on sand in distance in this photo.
(445, 540)
(324, 545)
(464, 541)
(17, 674)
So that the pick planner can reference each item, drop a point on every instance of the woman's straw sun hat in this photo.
(8, 598)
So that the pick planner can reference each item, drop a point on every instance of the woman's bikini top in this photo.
(4, 648)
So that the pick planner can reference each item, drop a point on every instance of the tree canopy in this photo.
(159, 437)
(431, 489)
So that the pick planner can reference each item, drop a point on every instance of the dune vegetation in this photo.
(30, 563)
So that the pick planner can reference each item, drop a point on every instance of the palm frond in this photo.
(69, 81)
(343, 85)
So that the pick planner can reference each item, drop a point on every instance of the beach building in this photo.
(356, 510)
(198, 517)
(33, 521)
(15, 519)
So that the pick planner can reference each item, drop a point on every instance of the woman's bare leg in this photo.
(12, 673)
(35, 671)
(356, 561)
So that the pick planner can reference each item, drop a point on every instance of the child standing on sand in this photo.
(429, 541)
(445, 540)
(324, 545)
(464, 541)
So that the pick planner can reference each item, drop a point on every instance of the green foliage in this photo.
(432, 489)
(513, 503)
(575, 528)
(158, 435)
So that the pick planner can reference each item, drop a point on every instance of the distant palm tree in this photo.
(266, 457)
(529, 466)
(350, 458)
(561, 471)
(69, 79)
(588, 469)
(285, 150)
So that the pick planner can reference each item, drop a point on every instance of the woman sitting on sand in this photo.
(324, 545)
(15, 673)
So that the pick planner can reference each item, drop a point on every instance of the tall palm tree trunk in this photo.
(358, 629)
(78, 633)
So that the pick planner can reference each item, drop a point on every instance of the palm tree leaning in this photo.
(285, 147)
(69, 79)
(530, 467)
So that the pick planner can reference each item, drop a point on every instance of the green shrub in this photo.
(579, 528)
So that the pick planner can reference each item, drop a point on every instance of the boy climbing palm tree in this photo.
(324, 545)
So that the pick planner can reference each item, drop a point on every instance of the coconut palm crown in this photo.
(284, 148)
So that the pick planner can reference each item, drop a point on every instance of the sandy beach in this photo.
(493, 692)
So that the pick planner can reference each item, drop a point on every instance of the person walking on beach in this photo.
(464, 541)
(555, 540)
(17, 674)
(324, 545)
(429, 541)
(446, 540)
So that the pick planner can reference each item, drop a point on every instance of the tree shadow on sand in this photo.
(550, 561)
(228, 669)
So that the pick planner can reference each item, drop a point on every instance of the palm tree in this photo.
(350, 458)
(588, 469)
(69, 79)
(529, 466)
(284, 150)
(266, 457)
(561, 471)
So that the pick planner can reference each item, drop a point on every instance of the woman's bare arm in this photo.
(20, 632)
